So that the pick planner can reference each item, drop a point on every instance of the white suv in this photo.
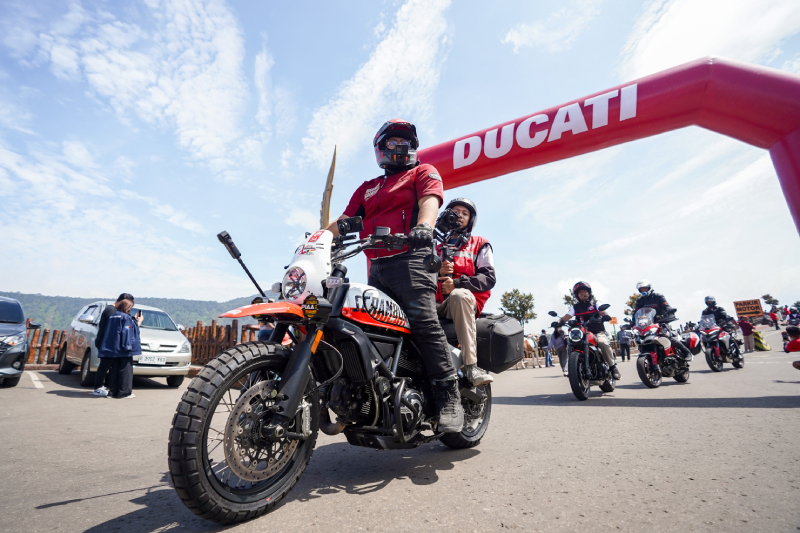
(165, 351)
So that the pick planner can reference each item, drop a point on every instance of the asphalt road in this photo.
(717, 454)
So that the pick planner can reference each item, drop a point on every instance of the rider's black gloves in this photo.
(420, 236)
(606, 318)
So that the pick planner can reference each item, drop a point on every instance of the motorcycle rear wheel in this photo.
(649, 374)
(227, 474)
(713, 363)
(580, 386)
(476, 422)
(739, 363)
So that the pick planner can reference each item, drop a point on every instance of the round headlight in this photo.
(294, 283)
(575, 335)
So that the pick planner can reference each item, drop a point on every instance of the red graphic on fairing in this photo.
(756, 105)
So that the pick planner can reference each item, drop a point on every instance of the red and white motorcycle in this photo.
(721, 346)
(657, 357)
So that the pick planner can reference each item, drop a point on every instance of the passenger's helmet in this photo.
(643, 287)
(711, 301)
(579, 287)
(473, 211)
(400, 156)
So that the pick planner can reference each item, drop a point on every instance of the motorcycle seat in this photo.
(449, 328)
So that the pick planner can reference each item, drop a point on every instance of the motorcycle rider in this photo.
(465, 284)
(722, 318)
(406, 199)
(583, 310)
(649, 298)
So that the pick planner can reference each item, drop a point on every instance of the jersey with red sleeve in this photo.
(392, 201)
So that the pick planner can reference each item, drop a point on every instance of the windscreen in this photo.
(11, 313)
(155, 320)
(707, 322)
(644, 317)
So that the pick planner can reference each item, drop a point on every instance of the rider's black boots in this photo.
(448, 404)
(615, 373)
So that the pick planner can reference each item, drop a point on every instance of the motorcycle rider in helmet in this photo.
(464, 286)
(649, 298)
(583, 310)
(406, 199)
(724, 320)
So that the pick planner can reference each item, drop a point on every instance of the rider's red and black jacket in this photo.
(469, 274)
(653, 300)
(583, 311)
(392, 201)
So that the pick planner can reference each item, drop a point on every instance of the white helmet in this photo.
(643, 287)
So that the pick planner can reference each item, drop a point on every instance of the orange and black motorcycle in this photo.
(245, 429)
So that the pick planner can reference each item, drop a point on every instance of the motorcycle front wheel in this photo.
(221, 466)
(739, 363)
(476, 421)
(579, 384)
(649, 373)
(714, 363)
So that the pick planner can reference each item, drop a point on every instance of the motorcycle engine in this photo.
(355, 404)
(415, 398)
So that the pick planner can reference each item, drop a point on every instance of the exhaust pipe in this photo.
(328, 427)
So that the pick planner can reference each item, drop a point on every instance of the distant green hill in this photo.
(56, 312)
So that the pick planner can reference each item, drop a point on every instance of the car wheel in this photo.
(64, 366)
(10, 382)
(87, 377)
(175, 381)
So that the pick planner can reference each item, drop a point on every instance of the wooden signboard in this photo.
(613, 320)
(748, 308)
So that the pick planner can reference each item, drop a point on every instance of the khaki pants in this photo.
(605, 348)
(749, 343)
(460, 307)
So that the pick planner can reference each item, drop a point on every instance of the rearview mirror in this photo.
(603, 307)
(628, 320)
(181, 327)
(34, 325)
(86, 319)
(350, 225)
(433, 263)
(552, 313)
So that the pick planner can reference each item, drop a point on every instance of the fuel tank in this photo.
(372, 307)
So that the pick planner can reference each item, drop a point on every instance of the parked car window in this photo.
(11, 313)
(155, 320)
(81, 312)
(94, 311)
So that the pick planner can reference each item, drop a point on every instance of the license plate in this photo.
(153, 359)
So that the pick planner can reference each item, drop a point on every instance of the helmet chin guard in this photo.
(400, 156)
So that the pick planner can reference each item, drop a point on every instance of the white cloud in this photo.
(559, 31)
(302, 218)
(263, 64)
(672, 32)
(792, 65)
(185, 74)
(384, 86)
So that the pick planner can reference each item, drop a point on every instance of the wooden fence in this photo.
(44, 345)
(210, 341)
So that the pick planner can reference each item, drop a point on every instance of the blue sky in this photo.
(132, 132)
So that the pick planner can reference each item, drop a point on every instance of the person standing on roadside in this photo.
(747, 332)
(120, 343)
(624, 341)
(774, 317)
(100, 388)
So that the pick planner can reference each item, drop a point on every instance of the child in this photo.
(794, 344)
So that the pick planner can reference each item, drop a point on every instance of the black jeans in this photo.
(121, 377)
(404, 279)
(624, 349)
(102, 372)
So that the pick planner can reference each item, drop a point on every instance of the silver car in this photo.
(165, 351)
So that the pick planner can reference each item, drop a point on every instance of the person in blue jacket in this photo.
(120, 343)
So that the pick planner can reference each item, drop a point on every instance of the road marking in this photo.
(35, 379)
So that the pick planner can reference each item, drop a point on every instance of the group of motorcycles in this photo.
(657, 357)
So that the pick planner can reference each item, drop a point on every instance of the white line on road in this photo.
(35, 379)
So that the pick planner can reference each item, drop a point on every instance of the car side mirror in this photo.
(181, 327)
(603, 307)
(628, 320)
(86, 319)
(552, 313)
(34, 325)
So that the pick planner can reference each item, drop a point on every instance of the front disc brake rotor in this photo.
(250, 456)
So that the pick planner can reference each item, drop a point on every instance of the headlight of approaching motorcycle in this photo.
(575, 335)
(294, 283)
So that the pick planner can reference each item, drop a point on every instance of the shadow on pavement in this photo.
(758, 402)
(341, 467)
(72, 382)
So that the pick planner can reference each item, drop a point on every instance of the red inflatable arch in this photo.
(756, 105)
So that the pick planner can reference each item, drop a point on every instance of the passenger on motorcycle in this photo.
(465, 284)
(793, 318)
(406, 199)
(649, 298)
(585, 309)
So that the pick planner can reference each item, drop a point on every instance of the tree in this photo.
(631, 304)
(769, 300)
(796, 305)
(519, 305)
(569, 300)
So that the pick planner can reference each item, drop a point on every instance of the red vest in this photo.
(464, 265)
